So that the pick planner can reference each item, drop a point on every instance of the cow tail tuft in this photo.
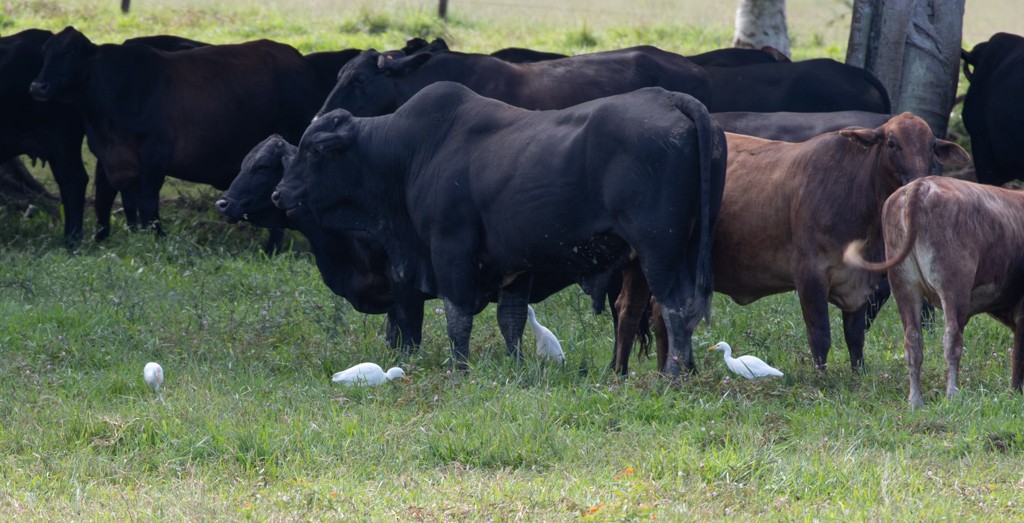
(853, 257)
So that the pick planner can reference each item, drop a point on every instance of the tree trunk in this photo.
(914, 50)
(126, 5)
(761, 23)
(18, 189)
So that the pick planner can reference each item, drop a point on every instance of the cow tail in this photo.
(882, 91)
(967, 58)
(706, 132)
(852, 256)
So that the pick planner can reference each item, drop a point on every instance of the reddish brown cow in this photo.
(960, 245)
(790, 209)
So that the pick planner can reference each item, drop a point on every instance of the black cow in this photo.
(352, 264)
(469, 194)
(516, 55)
(795, 127)
(728, 57)
(736, 56)
(105, 191)
(993, 110)
(376, 83)
(327, 64)
(47, 130)
(809, 86)
(190, 114)
(168, 43)
(51, 130)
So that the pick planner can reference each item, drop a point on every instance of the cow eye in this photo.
(314, 152)
(890, 143)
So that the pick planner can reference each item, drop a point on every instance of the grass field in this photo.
(249, 427)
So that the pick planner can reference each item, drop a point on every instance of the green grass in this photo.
(250, 428)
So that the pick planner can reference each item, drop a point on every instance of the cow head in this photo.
(320, 175)
(366, 84)
(249, 196)
(65, 66)
(907, 148)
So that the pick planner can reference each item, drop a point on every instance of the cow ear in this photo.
(334, 141)
(949, 153)
(865, 137)
(439, 45)
(398, 65)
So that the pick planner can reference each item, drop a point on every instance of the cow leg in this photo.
(954, 305)
(275, 237)
(875, 302)
(814, 305)
(460, 325)
(1017, 356)
(908, 302)
(105, 194)
(629, 306)
(854, 327)
(660, 334)
(130, 203)
(679, 327)
(71, 181)
(512, 313)
(149, 202)
(682, 308)
(405, 319)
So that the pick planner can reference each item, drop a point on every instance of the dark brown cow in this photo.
(790, 209)
(959, 245)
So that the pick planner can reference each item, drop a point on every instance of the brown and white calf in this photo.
(959, 245)
(790, 209)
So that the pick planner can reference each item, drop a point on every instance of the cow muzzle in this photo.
(281, 201)
(224, 207)
(40, 91)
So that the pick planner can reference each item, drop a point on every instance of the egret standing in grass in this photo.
(749, 367)
(547, 343)
(367, 374)
(153, 373)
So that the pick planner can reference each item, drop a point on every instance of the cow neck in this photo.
(108, 92)
(389, 157)
(872, 179)
(484, 74)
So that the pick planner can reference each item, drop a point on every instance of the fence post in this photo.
(125, 5)
(442, 10)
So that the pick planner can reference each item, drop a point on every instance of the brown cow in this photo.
(790, 209)
(960, 245)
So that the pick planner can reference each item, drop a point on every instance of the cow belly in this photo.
(851, 288)
(747, 287)
(583, 257)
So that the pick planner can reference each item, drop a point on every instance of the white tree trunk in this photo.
(760, 23)
(914, 50)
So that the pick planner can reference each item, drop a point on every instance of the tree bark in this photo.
(761, 23)
(914, 50)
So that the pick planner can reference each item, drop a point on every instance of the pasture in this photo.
(249, 426)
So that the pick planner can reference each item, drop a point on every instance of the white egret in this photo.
(749, 367)
(367, 374)
(547, 343)
(153, 373)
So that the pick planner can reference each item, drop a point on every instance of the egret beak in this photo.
(713, 347)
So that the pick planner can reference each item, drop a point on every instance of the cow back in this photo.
(820, 85)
